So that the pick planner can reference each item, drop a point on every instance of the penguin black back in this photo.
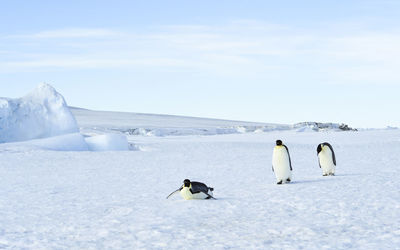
(198, 187)
(319, 149)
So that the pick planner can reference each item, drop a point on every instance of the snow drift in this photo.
(40, 114)
(108, 142)
(72, 142)
(67, 142)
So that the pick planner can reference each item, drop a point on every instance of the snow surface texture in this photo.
(117, 200)
(42, 113)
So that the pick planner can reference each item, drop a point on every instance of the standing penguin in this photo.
(194, 190)
(281, 163)
(326, 159)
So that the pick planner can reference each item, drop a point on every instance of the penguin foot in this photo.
(279, 182)
(333, 174)
(325, 175)
(288, 180)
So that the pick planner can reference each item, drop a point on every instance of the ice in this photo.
(41, 120)
(40, 114)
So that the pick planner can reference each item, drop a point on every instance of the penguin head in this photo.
(320, 147)
(186, 183)
(278, 143)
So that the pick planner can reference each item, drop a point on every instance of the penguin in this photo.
(194, 190)
(281, 163)
(326, 159)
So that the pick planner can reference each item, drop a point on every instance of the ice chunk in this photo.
(40, 114)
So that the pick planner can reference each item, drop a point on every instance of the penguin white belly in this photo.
(281, 164)
(187, 195)
(326, 161)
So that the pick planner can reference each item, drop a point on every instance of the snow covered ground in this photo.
(116, 199)
(64, 189)
(97, 122)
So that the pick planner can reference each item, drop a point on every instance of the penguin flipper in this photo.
(333, 152)
(209, 196)
(176, 191)
(290, 161)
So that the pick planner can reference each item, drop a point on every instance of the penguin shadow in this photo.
(348, 175)
(326, 178)
(311, 181)
(205, 200)
(223, 199)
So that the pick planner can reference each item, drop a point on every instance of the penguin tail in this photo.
(210, 197)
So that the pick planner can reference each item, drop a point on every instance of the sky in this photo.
(263, 61)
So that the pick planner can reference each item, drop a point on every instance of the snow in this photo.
(67, 142)
(55, 193)
(106, 142)
(117, 199)
(98, 122)
(40, 114)
(74, 142)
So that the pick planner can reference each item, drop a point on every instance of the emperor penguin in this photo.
(281, 163)
(194, 190)
(326, 158)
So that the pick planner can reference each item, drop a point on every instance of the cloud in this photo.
(45, 64)
(71, 33)
(240, 48)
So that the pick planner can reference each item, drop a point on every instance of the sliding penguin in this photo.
(281, 164)
(326, 158)
(194, 190)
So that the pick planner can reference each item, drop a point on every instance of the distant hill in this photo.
(91, 121)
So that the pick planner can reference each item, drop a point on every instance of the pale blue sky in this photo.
(266, 61)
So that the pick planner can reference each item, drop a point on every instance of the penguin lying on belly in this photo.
(194, 190)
